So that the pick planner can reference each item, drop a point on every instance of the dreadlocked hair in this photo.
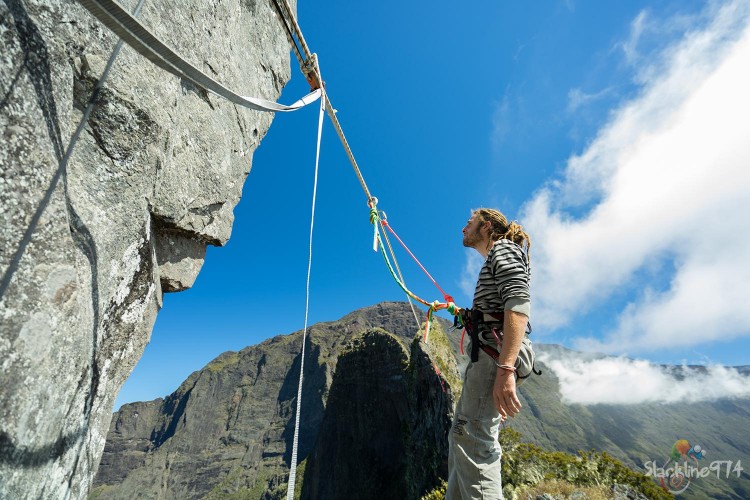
(500, 228)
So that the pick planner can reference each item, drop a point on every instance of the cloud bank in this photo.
(627, 381)
(662, 190)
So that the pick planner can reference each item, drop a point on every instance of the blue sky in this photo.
(615, 132)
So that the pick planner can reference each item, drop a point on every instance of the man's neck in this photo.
(483, 247)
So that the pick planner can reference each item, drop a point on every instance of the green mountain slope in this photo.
(641, 433)
(375, 411)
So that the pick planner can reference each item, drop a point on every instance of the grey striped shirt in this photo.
(504, 280)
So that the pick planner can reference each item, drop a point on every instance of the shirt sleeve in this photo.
(511, 272)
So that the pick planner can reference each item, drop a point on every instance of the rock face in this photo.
(384, 433)
(371, 400)
(88, 250)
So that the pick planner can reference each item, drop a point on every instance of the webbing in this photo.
(305, 56)
(129, 29)
(293, 465)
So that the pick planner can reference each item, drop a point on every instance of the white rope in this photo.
(293, 464)
(285, 11)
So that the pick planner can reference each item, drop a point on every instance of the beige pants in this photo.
(474, 453)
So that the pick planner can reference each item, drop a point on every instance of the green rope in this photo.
(433, 306)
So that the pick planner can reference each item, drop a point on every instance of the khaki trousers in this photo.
(474, 452)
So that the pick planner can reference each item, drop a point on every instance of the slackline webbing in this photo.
(128, 28)
(293, 464)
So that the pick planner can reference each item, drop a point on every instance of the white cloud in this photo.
(628, 381)
(667, 178)
(577, 98)
(630, 46)
(501, 120)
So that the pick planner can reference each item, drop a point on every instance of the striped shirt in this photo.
(503, 282)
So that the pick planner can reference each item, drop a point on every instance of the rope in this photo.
(384, 223)
(293, 464)
(303, 57)
(129, 29)
(449, 306)
(289, 33)
(401, 276)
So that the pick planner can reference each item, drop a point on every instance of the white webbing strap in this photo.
(293, 464)
(129, 29)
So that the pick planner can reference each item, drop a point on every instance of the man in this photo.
(489, 392)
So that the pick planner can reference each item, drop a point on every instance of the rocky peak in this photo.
(384, 433)
(228, 429)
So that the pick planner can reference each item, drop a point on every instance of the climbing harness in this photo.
(480, 325)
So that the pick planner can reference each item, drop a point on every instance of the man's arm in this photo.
(504, 392)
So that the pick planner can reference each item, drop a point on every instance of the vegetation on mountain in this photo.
(527, 466)
(530, 472)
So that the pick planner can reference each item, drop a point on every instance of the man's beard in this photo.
(471, 239)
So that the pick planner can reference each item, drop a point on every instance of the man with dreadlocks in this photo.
(497, 323)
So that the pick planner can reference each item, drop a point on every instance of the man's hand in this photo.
(504, 394)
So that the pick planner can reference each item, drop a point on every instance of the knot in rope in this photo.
(436, 305)
(452, 308)
(372, 202)
(433, 307)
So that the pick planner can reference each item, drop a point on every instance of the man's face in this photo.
(473, 232)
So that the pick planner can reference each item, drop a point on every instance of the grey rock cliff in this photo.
(87, 251)
(385, 430)
(227, 431)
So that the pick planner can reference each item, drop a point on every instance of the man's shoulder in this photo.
(505, 246)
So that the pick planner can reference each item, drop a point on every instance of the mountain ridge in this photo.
(254, 446)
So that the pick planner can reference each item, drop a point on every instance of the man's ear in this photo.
(487, 225)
